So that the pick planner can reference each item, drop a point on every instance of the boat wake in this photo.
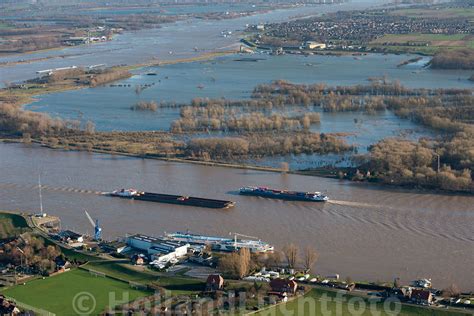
(355, 204)
(48, 188)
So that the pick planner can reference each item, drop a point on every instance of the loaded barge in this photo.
(283, 194)
(171, 199)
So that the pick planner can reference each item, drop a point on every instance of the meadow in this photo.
(61, 294)
(427, 43)
(177, 284)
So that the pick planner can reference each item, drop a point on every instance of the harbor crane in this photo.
(97, 228)
(242, 235)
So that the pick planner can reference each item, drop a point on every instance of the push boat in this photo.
(283, 194)
(133, 194)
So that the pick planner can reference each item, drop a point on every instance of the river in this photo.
(366, 232)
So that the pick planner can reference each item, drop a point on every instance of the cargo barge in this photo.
(283, 194)
(221, 243)
(132, 194)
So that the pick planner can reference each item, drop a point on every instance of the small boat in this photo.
(283, 194)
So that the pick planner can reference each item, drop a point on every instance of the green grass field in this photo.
(177, 284)
(435, 13)
(321, 302)
(57, 294)
(12, 225)
(436, 42)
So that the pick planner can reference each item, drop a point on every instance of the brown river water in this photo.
(365, 231)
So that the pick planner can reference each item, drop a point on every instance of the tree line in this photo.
(264, 145)
(404, 162)
(454, 59)
(255, 122)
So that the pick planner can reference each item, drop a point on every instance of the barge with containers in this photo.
(133, 194)
(284, 194)
(222, 243)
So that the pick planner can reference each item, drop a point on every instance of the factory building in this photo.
(158, 248)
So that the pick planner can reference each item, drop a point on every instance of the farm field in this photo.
(428, 43)
(444, 13)
(56, 294)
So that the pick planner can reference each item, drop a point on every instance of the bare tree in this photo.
(291, 255)
(236, 264)
(243, 262)
(273, 259)
(451, 291)
(310, 256)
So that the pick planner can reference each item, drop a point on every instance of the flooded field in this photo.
(365, 232)
(144, 45)
(226, 77)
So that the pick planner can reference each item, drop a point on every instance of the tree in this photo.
(236, 264)
(89, 127)
(291, 255)
(273, 259)
(451, 291)
(310, 257)
(243, 262)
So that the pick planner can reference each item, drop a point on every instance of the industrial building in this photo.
(157, 248)
(314, 45)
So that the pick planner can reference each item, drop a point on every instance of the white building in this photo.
(314, 45)
(159, 249)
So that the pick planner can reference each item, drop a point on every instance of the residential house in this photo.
(215, 282)
(419, 296)
(283, 286)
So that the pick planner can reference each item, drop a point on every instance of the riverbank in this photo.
(118, 273)
(341, 173)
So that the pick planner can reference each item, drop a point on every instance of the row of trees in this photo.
(145, 106)
(261, 145)
(454, 59)
(101, 77)
(239, 264)
(246, 123)
(15, 121)
(378, 86)
(404, 162)
(307, 258)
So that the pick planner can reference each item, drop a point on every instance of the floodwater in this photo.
(365, 232)
(109, 106)
(226, 77)
(180, 38)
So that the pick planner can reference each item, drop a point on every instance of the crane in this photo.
(242, 235)
(97, 228)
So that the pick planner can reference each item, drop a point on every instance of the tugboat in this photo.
(283, 194)
(133, 194)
